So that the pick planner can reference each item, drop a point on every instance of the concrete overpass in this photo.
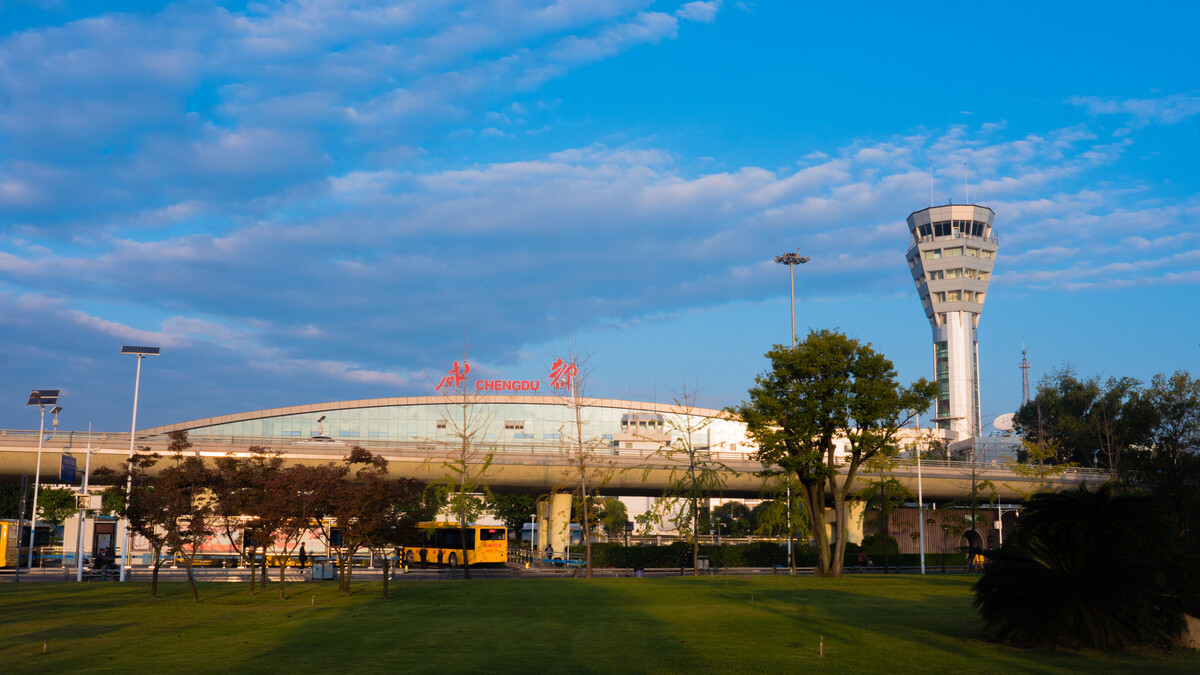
(518, 468)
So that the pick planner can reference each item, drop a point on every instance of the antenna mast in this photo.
(1024, 377)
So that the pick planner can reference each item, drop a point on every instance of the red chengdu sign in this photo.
(562, 376)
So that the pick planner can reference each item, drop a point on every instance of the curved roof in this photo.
(640, 406)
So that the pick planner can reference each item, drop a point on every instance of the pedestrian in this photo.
(862, 559)
(303, 556)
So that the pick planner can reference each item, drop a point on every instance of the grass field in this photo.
(899, 624)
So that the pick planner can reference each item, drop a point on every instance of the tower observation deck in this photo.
(951, 252)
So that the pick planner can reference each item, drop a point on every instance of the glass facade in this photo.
(941, 357)
(504, 422)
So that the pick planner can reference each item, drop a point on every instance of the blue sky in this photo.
(320, 201)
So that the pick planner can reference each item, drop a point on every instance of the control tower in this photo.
(951, 252)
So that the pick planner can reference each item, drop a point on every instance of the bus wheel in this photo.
(408, 558)
(453, 560)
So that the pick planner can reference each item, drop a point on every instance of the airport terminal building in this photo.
(502, 422)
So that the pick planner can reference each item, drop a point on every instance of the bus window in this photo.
(491, 534)
(448, 537)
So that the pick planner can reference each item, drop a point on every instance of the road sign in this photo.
(66, 470)
(87, 502)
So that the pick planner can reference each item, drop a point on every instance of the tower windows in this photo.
(953, 251)
(933, 254)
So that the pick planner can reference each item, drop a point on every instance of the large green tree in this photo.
(513, 510)
(1169, 463)
(826, 388)
(1084, 421)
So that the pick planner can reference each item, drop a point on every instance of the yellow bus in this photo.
(441, 543)
(10, 546)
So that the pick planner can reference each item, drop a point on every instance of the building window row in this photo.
(952, 228)
(952, 251)
(958, 296)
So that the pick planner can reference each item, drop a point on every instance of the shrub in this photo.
(1087, 569)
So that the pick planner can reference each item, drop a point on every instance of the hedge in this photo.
(757, 554)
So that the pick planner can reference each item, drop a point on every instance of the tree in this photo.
(186, 504)
(374, 511)
(1171, 466)
(10, 498)
(149, 512)
(242, 491)
(695, 474)
(304, 499)
(826, 388)
(1085, 421)
(463, 486)
(613, 516)
(56, 505)
(1086, 569)
(513, 510)
(586, 471)
(881, 496)
(783, 512)
(735, 516)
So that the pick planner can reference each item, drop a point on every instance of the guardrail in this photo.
(240, 445)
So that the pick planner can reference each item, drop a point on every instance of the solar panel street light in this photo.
(41, 398)
(139, 352)
(144, 351)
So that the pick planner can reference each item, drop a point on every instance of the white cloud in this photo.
(1166, 110)
(704, 12)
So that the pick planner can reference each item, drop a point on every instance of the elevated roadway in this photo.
(528, 468)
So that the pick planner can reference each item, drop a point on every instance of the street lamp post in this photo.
(41, 398)
(532, 533)
(920, 496)
(87, 466)
(791, 259)
(139, 352)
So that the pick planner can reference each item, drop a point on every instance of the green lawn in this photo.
(710, 624)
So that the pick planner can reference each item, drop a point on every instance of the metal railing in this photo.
(426, 449)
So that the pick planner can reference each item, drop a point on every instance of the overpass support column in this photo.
(854, 522)
(554, 522)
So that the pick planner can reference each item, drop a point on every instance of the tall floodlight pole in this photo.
(41, 398)
(791, 260)
(139, 352)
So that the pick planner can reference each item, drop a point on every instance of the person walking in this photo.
(303, 556)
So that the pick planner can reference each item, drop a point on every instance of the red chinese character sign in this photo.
(455, 377)
(562, 374)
